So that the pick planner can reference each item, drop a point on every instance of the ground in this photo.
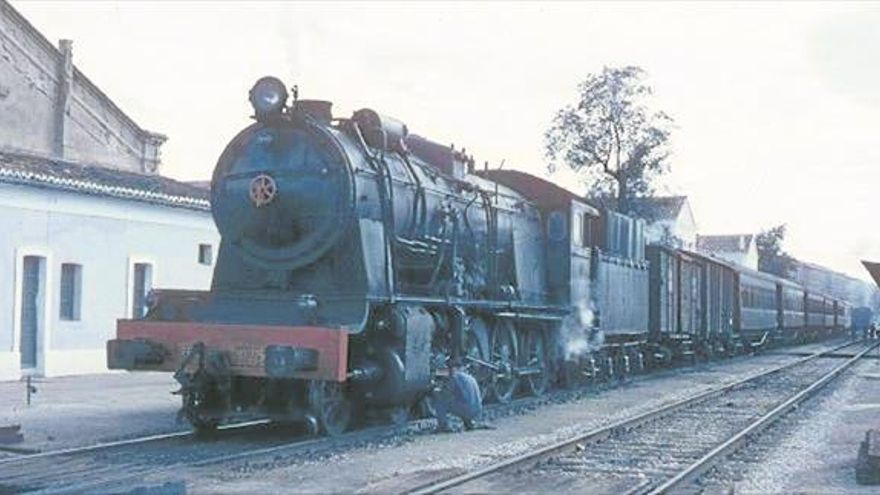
(78, 411)
(816, 449)
(83, 410)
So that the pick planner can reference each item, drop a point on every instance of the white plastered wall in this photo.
(106, 237)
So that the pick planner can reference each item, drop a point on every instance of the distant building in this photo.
(88, 226)
(741, 249)
(670, 220)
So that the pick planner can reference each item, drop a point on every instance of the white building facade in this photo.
(741, 249)
(76, 257)
(670, 220)
(87, 226)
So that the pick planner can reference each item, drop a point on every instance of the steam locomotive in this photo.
(358, 261)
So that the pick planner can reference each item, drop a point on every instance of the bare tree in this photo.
(612, 131)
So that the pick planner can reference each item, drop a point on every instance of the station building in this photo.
(87, 223)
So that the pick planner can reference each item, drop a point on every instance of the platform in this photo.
(82, 410)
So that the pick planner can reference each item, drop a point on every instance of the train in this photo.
(359, 261)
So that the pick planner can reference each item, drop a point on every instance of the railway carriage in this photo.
(719, 336)
(677, 302)
(843, 316)
(792, 313)
(694, 304)
(829, 310)
(815, 317)
(757, 315)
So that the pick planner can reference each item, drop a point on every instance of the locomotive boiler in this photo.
(357, 261)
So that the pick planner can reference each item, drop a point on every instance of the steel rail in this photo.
(191, 434)
(535, 456)
(118, 484)
(127, 442)
(301, 443)
(706, 462)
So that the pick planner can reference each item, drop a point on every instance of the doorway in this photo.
(32, 282)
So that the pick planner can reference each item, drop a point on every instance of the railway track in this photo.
(663, 450)
(107, 466)
(112, 466)
(127, 442)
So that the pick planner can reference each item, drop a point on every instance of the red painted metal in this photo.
(245, 345)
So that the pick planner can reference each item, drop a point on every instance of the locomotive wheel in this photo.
(205, 427)
(193, 403)
(608, 367)
(571, 374)
(504, 358)
(663, 356)
(535, 356)
(398, 416)
(621, 363)
(643, 363)
(478, 349)
(591, 367)
(425, 408)
(330, 406)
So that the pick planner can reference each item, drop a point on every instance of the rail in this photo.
(693, 471)
(571, 444)
(159, 437)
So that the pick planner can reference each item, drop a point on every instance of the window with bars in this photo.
(71, 292)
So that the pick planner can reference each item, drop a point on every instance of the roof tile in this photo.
(735, 243)
(23, 169)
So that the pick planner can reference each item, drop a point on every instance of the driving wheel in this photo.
(330, 405)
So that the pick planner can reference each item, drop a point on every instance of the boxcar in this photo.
(663, 293)
(719, 304)
(676, 300)
(690, 281)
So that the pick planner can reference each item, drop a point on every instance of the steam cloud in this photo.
(578, 334)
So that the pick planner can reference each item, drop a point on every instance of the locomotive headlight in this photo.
(268, 96)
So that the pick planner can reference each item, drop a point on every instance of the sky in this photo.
(776, 105)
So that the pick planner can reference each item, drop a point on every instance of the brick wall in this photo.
(49, 107)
